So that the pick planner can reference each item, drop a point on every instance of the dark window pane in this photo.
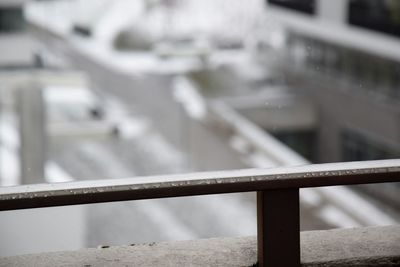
(356, 146)
(11, 19)
(304, 6)
(303, 142)
(377, 15)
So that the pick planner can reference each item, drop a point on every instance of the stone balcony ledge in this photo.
(368, 246)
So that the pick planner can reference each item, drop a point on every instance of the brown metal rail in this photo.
(277, 195)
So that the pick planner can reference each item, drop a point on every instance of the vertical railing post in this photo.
(278, 225)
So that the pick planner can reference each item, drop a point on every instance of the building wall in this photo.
(342, 108)
(344, 55)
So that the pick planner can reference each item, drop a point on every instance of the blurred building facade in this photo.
(345, 55)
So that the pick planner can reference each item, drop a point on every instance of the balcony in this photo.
(237, 108)
(279, 242)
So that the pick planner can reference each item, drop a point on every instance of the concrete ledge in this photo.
(371, 246)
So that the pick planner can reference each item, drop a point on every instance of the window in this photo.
(378, 15)
(302, 141)
(357, 146)
(304, 6)
(359, 69)
(11, 20)
(396, 80)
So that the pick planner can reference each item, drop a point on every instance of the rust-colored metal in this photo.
(96, 191)
(278, 228)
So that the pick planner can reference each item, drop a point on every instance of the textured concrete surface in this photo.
(372, 246)
(366, 246)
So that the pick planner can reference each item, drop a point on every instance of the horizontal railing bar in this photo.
(96, 191)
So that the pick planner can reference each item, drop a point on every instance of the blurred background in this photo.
(107, 89)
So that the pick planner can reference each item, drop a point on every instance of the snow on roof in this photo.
(185, 18)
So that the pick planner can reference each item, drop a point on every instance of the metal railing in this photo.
(277, 195)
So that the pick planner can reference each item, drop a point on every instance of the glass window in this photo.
(356, 146)
(396, 82)
(304, 6)
(303, 142)
(11, 19)
(377, 15)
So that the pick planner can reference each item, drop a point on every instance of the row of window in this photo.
(357, 147)
(378, 15)
(360, 69)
